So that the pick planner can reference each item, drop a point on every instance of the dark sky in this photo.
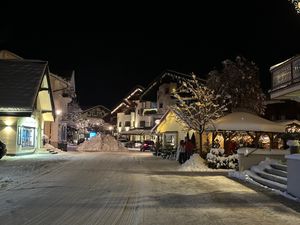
(113, 49)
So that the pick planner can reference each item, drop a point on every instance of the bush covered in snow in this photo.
(216, 159)
(102, 143)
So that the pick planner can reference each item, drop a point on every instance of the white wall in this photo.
(293, 184)
(122, 118)
(164, 97)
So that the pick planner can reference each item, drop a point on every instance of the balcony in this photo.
(286, 80)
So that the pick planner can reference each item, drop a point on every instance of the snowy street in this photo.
(81, 188)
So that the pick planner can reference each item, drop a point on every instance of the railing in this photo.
(246, 155)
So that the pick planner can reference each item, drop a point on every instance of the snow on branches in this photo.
(197, 105)
(80, 122)
(240, 79)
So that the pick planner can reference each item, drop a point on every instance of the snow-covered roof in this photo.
(287, 122)
(167, 76)
(243, 121)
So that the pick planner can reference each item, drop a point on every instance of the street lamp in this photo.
(111, 129)
(58, 112)
(296, 4)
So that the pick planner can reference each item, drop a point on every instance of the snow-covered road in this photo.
(129, 188)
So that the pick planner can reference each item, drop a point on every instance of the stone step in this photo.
(272, 177)
(279, 166)
(277, 172)
(266, 182)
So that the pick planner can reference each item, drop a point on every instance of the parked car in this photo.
(147, 145)
(80, 140)
(133, 144)
(123, 141)
(3, 149)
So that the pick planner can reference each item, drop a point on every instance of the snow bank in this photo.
(195, 163)
(239, 175)
(102, 143)
(51, 147)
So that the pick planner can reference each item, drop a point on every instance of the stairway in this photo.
(45, 151)
(270, 173)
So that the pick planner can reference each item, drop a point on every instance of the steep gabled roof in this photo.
(167, 76)
(4, 54)
(126, 102)
(20, 81)
(96, 107)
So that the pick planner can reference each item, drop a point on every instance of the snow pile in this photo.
(195, 163)
(52, 148)
(102, 143)
(239, 175)
(216, 159)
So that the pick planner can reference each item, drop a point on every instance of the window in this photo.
(120, 124)
(127, 123)
(170, 139)
(26, 136)
(161, 105)
(63, 134)
(142, 123)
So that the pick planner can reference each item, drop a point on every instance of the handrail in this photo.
(246, 155)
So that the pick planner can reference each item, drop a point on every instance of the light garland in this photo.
(296, 3)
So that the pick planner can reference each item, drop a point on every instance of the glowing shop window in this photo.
(170, 139)
(26, 136)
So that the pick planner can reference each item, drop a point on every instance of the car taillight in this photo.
(145, 145)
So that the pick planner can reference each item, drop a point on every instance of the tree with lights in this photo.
(78, 123)
(197, 105)
(240, 79)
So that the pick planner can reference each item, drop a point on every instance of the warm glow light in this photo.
(8, 129)
(8, 122)
(157, 121)
(58, 112)
(110, 128)
(127, 128)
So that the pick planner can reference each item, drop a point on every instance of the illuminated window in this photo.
(26, 136)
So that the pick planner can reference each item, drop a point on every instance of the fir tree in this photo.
(240, 79)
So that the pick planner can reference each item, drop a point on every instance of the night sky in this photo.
(113, 49)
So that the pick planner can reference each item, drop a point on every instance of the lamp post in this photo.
(111, 129)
